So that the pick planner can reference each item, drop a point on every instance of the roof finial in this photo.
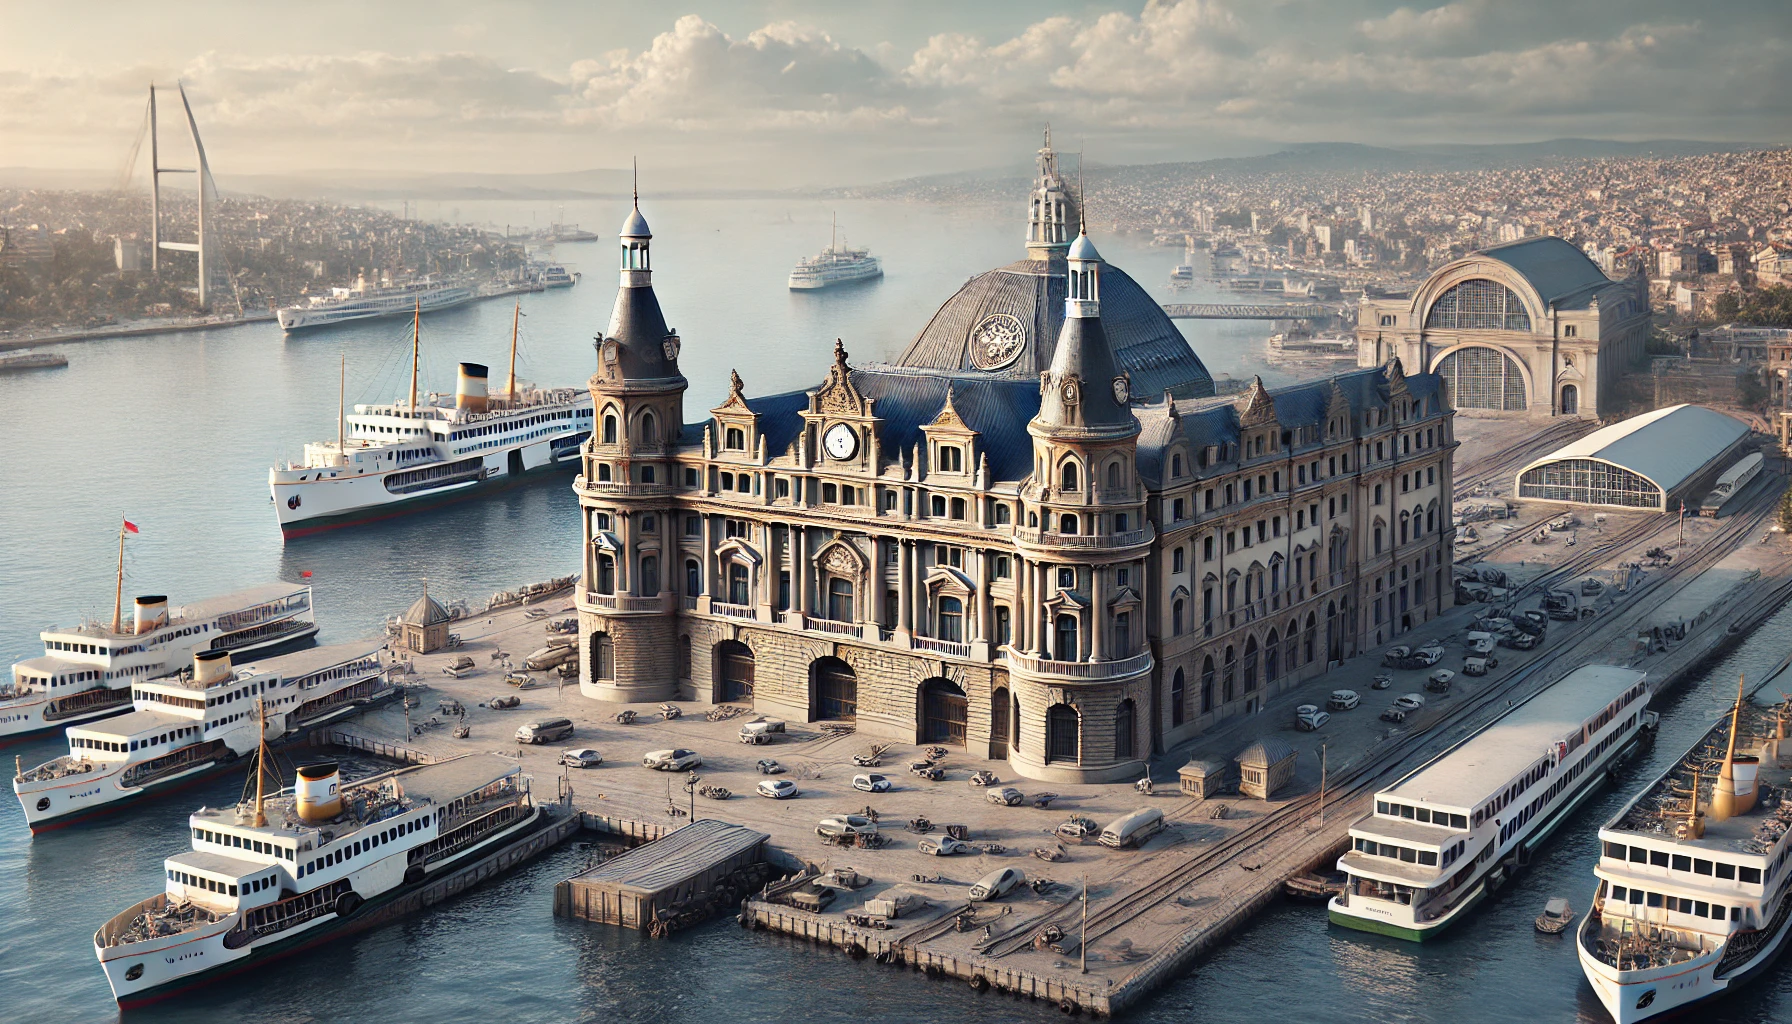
(1082, 218)
(636, 188)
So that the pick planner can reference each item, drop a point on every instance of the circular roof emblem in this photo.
(996, 341)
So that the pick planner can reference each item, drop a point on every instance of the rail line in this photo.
(1359, 780)
(1503, 462)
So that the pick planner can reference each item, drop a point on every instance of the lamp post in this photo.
(691, 786)
(1082, 946)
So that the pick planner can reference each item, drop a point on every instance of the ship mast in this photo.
(516, 319)
(118, 595)
(342, 412)
(416, 327)
(261, 763)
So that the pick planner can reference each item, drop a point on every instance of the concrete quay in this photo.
(1153, 911)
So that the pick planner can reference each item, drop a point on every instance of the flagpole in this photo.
(118, 597)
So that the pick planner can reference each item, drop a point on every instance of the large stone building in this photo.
(1530, 328)
(1038, 537)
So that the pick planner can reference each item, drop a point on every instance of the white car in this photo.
(871, 783)
(1343, 700)
(1309, 718)
(671, 760)
(1409, 702)
(942, 846)
(997, 884)
(778, 789)
(581, 757)
(846, 825)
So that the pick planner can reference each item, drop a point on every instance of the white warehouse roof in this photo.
(1668, 446)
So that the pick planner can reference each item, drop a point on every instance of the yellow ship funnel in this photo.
(152, 613)
(470, 388)
(211, 667)
(317, 792)
(1735, 790)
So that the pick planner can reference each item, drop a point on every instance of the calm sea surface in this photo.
(177, 431)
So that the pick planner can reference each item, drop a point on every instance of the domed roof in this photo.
(635, 226)
(1083, 249)
(1005, 322)
(426, 612)
(1265, 752)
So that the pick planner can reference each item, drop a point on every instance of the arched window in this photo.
(951, 616)
(1178, 699)
(1291, 648)
(693, 578)
(1176, 618)
(1000, 721)
(1066, 648)
(649, 429)
(603, 657)
(1478, 305)
(1061, 728)
(1272, 666)
(1570, 399)
(1113, 476)
(1207, 684)
(1123, 730)
(936, 506)
(1003, 515)
(738, 592)
(1483, 378)
(1176, 465)
(1307, 654)
(1067, 524)
(1405, 518)
(735, 439)
(606, 574)
(1431, 518)
(609, 428)
(1250, 664)
(840, 603)
(650, 575)
(1068, 477)
(1229, 675)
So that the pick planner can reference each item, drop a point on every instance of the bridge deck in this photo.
(1239, 311)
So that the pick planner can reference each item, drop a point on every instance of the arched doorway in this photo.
(603, 657)
(834, 691)
(1000, 710)
(1062, 724)
(1483, 378)
(734, 671)
(943, 712)
(1570, 400)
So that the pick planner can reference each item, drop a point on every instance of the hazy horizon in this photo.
(784, 93)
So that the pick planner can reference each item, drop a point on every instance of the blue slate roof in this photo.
(1556, 269)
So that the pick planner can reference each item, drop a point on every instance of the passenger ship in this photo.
(194, 722)
(835, 265)
(274, 875)
(1446, 835)
(1695, 888)
(363, 301)
(87, 671)
(391, 459)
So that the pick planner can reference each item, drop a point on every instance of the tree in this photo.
(1727, 307)
(1786, 512)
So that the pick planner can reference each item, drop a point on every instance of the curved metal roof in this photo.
(635, 226)
(1004, 323)
(1551, 266)
(1667, 447)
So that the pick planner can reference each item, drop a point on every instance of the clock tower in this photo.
(626, 616)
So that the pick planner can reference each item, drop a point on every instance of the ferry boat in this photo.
(394, 458)
(836, 265)
(555, 275)
(274, 875)
(363, 301)
(194, 722)
(1444, 836)
(1695, 886)
(87, 671)
(1295, 348)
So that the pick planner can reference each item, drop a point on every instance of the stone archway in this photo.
(944, 712)
(733, 671)
(833, 691)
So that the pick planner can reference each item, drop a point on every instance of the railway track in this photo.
(1360, 780)
(1505, 461)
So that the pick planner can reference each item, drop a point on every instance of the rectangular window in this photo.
(1749, 876)
(1701, 867)
(1658, 858)
(1725, 870)
(1682, 862)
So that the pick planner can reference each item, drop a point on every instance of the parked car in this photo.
(1381, 682)
(871, 783)
(1439, 681)
(1396, 654)
(942, 846)
(1309, 718)
(460, 667)
(846, 825)
(1409, 702)
(581, 757)
(760, 730)
(997, 884)
(1479, 643)
(1134, 828)
(767, 766)
(1343, 700)
(671, 760)
(1005, 796)
(984, 777)
(1394, 715)
(778, 789)
(1479, 666)
(548, 730)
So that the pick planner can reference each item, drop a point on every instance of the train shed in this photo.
(1653, 461)
(632, 889)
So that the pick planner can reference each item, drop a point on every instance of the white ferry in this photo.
(1446, 835)
(363, 301)
(836, 265)
(87, 671)
(1695, 884)
(192, 723)
(391, 459)
(555, 275)
(275, 875)
(1301, 348)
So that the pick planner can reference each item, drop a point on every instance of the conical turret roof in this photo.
(427, 611)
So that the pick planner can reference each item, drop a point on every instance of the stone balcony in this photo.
(1091, 542)
(1078, 671)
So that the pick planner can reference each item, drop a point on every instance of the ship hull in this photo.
(817, 284)
(301, 319)
(362, 500)
(94, 796)
(170, 971)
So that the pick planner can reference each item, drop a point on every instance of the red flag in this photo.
(306, 574)
(129, 526)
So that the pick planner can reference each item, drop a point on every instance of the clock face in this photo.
(997, 341)
(841, 441)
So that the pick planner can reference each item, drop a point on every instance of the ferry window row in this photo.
(1513, 792)
(1562, 782)
(361, 846)
(164, 698)
(83, 743)
(62, 645)
(1657, 901)
(1424, 814)
(195, 882)
(1428, 858)
(72, 677)
(1681, 862)
(239, 843)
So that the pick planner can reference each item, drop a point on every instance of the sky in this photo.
(803, 92)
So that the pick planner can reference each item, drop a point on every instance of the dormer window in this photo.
(951, 459)
(735, 439)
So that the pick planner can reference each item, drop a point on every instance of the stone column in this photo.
(905, 619)
(1098, 612)
(799, 569)
(980, 630)
(709, 563)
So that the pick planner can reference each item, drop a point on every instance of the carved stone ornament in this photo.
(997, 341)
(1122, 390)
(672, 346)
(841, 561)
(1071, 393)
(612, 350)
